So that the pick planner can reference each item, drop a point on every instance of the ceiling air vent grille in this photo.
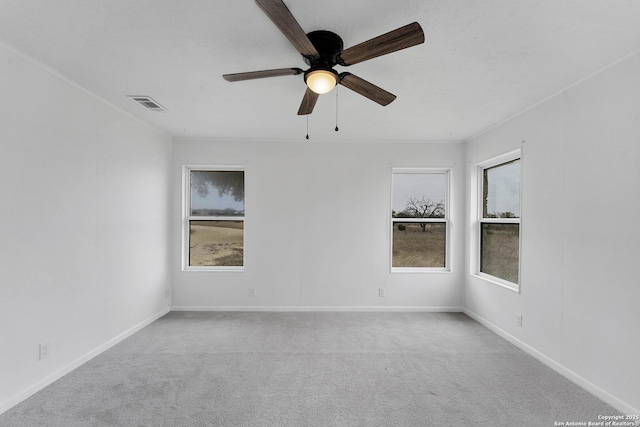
(148, 103)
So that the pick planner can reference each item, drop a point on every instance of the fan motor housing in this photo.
(328, 44)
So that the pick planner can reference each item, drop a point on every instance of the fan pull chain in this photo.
(336, 109)
(307, 126)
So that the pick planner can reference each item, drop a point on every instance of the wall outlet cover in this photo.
(44, 350)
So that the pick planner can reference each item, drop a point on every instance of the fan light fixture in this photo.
(322, 50)
(321, 81)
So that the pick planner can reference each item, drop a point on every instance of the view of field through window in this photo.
(216, 243)
(500, 251)
(216, 218)
(500, 221)
(418, 212)
(413, 247)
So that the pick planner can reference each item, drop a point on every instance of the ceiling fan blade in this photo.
(367, 89)
(308, 102)
(236, 77)
(393, 41)
(278, 12)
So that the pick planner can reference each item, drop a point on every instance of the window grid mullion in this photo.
(438, 220)
(500, 220)
(215, 218)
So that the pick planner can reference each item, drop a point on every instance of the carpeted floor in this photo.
(310, 369)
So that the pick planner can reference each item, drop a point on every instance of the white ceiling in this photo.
(482, 62)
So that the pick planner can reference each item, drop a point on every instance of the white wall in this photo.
(580, 234)
(317, 226)
(87, 227)
(84, 225)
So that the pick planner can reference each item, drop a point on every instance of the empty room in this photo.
(296, 213)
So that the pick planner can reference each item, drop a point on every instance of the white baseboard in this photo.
(8, 404)
(603, 395)
(321, 308)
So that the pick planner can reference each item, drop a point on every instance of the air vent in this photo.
(148, 103)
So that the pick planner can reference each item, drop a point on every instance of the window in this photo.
(500, 220)
(419, 219)
(214, 218)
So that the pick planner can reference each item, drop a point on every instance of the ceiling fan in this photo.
(322, 50)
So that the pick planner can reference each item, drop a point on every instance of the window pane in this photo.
(501, 191)
(418, 195)
(217, 193)
(216, 243)
(500, 249)
(418, 244)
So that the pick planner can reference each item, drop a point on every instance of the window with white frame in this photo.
(214, 218)
(499, 219)
(419, 219)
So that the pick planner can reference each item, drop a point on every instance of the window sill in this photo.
(499, 282)
(420, 270)
(214, 269)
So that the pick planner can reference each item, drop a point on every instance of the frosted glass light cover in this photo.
(321, 81)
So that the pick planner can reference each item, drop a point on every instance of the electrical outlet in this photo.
(45, 349)
(252, 292)
(519, 319)
(167, 293)
(382, 292)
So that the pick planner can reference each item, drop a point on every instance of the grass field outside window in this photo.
(419, 218)
(214, 218)
(499, 219)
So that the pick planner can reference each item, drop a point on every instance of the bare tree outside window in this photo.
(424, 208)
(419, 220)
